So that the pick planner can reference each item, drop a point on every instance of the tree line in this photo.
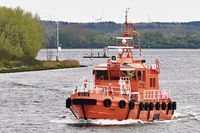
(99, 35)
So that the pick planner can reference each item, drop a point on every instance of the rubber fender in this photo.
(141, 106)
(170, 106)
(146, 106)
(164, 106)
(107, 102)
(151, 106)
(68, 103)
(131, 104)
(122, 104)
(157, 106)
(174, 105)
(84, 101)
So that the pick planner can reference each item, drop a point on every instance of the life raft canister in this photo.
(131, 104)
(164, 106)
(157, 106)
(141, 106)
(107, 102)
(68, 102)
(174, 105)
(122, 104)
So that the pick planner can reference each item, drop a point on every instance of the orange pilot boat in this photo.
(123, 87)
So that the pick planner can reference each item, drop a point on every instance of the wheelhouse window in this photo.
(152, 82)
(130, 74)
(141, 75)
(101, 74)
(114, 74)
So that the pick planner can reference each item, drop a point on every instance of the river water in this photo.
(35, 101)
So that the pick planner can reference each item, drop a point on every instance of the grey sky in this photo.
(111, 10)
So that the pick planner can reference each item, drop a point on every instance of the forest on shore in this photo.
(101, 34)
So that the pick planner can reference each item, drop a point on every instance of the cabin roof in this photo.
(123, 67)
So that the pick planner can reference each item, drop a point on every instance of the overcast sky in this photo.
(111, 10)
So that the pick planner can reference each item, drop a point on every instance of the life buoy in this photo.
(141, 106)
(157, 106)
(174, 105)
(122, 104)
(170, 106)
(131, 104)
(113, 58)
(163, 106)
(146, 106)
(107, 102)
(151, 106)
(68, 102)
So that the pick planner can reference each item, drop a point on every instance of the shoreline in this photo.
(34, 68)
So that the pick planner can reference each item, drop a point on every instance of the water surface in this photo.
(35, 101)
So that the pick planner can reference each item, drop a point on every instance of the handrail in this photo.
(154, 94)
(124, 88)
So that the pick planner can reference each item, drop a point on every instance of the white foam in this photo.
(193, 114)
(197, 118)
(115, 122)
(165, 121)
(179, 115)
(97, 122)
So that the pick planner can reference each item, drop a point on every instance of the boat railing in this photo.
(88, 85)
(155, 66)
(101, 89)
(109, 90)
(124, 88)
(155, 94)
(84, 85)
(105, 90)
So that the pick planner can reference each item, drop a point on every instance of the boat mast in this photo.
(127, 32)
(127, 36)
(127, 25)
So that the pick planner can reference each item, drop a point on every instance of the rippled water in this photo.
(35, 101)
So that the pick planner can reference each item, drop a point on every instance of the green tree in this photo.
(21, 34)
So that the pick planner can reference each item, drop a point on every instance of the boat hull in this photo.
(97, 110)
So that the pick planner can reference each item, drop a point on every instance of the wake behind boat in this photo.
(123, 87)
